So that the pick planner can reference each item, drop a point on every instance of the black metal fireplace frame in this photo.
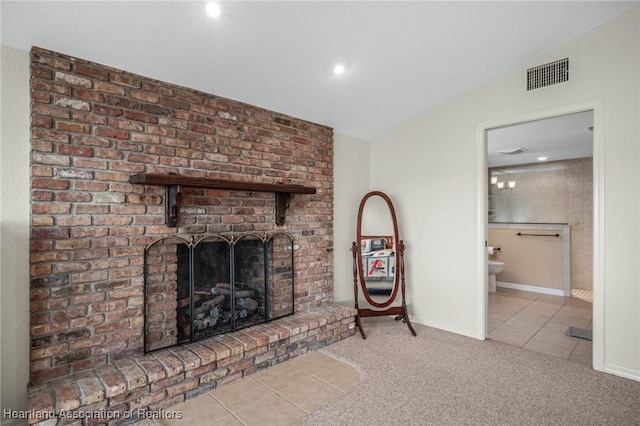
(231, 239)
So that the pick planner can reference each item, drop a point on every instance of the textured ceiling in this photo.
(403, 58)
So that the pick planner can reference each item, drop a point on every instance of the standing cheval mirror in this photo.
(378, 261)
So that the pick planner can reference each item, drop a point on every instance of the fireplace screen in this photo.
(213, 285)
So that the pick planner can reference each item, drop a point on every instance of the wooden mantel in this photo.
(173, 183)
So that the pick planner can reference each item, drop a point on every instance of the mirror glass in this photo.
(377, 260)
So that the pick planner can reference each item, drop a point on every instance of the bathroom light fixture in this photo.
(510, 185)
(213, 9)
(542, 158)
(502, 185)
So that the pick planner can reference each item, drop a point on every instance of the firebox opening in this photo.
(217, 307)
(216, 285)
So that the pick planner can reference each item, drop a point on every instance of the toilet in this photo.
(495, 267)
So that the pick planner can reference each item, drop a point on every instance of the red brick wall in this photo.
(92, 127)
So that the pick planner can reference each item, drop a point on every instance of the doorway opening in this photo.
(541, 222)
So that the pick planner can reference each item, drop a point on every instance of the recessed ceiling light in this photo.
(339, 69)
(213, 9)
(542, 158)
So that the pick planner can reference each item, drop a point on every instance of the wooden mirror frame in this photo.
(398, 280)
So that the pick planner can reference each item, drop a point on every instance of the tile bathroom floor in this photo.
(538, 322)
(279, 395)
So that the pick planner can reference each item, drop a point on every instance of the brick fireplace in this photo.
(93, 127)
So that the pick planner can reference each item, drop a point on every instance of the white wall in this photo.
(430, 168)
(14, 228)
(351, 183)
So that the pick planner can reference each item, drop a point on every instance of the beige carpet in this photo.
(440, 378)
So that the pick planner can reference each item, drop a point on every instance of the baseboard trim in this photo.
(534, 289)
(625, 372)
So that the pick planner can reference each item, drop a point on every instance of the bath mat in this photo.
(582, 294)
(579, 332)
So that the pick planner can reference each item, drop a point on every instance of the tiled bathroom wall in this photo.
(580, 196)
(551, 192)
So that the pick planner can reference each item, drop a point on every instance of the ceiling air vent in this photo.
(548, 74)
(512, 151)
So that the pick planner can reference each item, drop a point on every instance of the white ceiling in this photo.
(403, 58)
(557, 138)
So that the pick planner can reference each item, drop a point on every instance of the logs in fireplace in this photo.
(214, 284)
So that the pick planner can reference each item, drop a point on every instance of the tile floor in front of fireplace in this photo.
(280, 395)
(538, 322)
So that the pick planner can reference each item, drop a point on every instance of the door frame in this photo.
(482, 191)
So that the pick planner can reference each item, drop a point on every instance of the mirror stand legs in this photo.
(399, 311)
(359, 324)
(405, 319)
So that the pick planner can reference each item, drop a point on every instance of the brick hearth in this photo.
(156, 381)
(93, 127)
